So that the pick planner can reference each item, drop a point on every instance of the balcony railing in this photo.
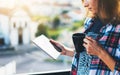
(55, 72)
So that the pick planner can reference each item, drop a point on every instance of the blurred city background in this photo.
(21, 21)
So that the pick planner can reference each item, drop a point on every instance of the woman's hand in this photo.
(65, 50)
(92, 46)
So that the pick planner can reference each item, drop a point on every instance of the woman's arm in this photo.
(93, 48)
(110, 62)
(68, 52)
(107, 59)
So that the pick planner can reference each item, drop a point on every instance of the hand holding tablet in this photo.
(44, 43)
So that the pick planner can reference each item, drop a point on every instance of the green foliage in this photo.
(42, 29)
(56, 22)
(57, 61)
(53, 33)
(76, 25)
(65, 11)
(40, 18)
(51, 60)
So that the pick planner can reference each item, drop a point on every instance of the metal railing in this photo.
(55, 72)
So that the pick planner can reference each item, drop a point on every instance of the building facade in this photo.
(15, 30)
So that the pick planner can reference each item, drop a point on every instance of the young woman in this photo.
(101, 55)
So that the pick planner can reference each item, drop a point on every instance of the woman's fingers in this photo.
(89, 44)
(87, 47)
(90, 38)
(53, 41)
(57, 45)
(87, 41)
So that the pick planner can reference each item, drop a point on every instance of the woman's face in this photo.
(91, 6)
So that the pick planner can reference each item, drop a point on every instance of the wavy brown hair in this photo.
(109, 11)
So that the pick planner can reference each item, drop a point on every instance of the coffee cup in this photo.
(78, 41)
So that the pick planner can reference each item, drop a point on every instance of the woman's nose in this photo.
(85, 3)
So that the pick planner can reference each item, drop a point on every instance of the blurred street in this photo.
(30, 58)
(23, 20)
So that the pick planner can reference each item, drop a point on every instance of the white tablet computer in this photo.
(44, 44)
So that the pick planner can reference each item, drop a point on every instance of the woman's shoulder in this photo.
(111, 28)
(117, 28)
